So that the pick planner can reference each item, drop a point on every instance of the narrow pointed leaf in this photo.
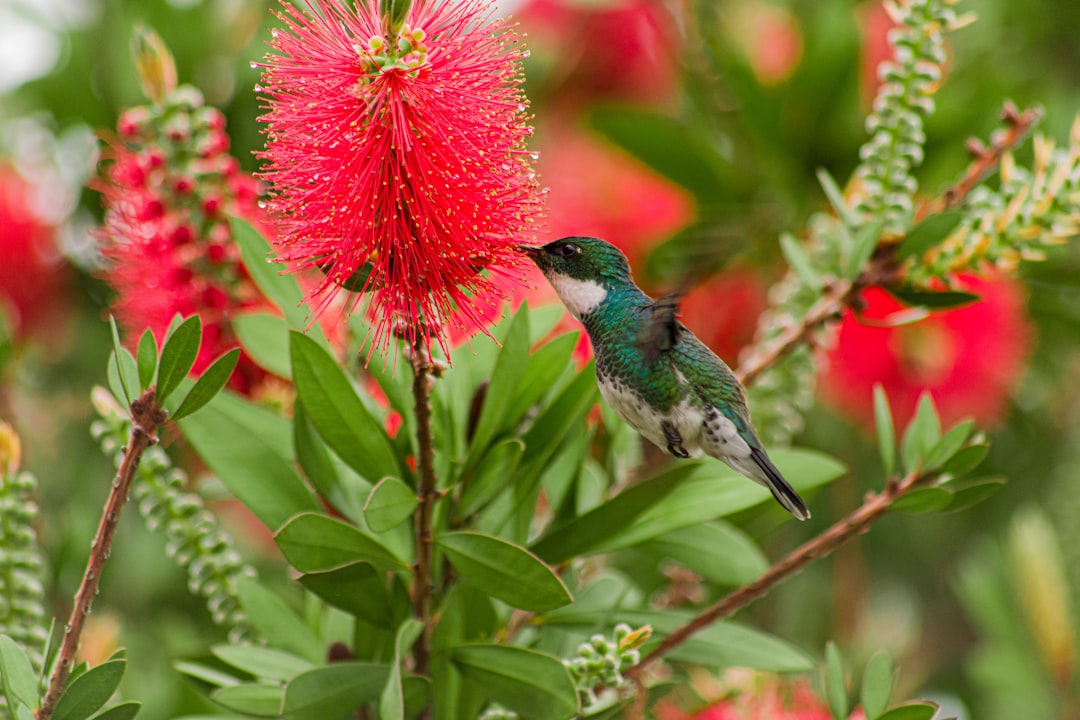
(263, 663)
(911, 711)
(973, 492)
(390, 503)
(532, 684)
(356, 588)
(949, 445)
(886, 432)
(17, 674)
(930, 232)
(127, 369)
(338, 414)
(546, 364)
(877, 685)
(835, 682)
(505, 378)
(280, 288)
(799, 261)
(209, 675)
(505, 571)
(836, 198)
(923, 500)
(252, 699)
(177, 356)
(249, 448)
(147, 358)
(491, 475)
(934, 300)
(333, 691)
(966, 459)
(392, 700)
(313, 542)
(209, 384)
(277, 621)
(89, 692)
(123, 711)
(718, 551)
(866, 241)
(265, 338)
(922, 434)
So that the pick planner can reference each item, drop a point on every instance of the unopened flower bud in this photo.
(154, 63)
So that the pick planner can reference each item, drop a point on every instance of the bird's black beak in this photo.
(530, 250)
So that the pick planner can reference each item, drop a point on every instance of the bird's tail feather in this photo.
(780, 488)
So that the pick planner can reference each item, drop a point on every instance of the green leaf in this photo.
(392, 700)
(679, 152)
(209, 675)
(209, 384)
(799, 262)
(923, 500)
(930, 232)
(89, 692)
(281, 289)
(911, 711)
(277, 621)
(966, 460)
(866, 241)
(532, 684)
(177, 356)
(835, 683)
(127, 370)
(355, 588)
(333, 691)
(505, 571)
(836, 199)
(886, 432)
(587, 532)
(248, 446)
(265, 338)
(17, 674)
(147, 358)
(877, 685)
(123, 711)
(338, 414)
(313, 542)
(972, 492)
(490, 476)
(257, 700)
(332, 480)
(949, 445)
(263, 663)
(934, 300)
(505, 378)
(921, 435)
(718, 551)
(390, 503)
(546, 364)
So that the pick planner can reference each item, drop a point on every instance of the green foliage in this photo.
(22, 611)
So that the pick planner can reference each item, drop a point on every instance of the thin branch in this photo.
(426, 495)
(146, 417)
(985, 160)
(859, 521)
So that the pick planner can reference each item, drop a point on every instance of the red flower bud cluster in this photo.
(169, 187)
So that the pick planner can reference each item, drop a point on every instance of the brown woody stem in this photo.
(146, 416)
(873, 508)
(426, 495)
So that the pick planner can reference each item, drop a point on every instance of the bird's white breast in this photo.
(579, 296)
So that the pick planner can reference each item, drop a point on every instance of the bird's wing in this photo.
(661, 329)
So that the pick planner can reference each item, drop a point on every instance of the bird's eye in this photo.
(567, 250)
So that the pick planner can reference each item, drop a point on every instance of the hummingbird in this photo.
(653, 372)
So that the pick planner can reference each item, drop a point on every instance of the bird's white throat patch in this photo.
(579, 296)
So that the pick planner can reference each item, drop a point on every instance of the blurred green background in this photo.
(780, 89)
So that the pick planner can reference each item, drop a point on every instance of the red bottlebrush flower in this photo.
(398, 160)
(770, 38)
(758, 696)
(33, 273)
(166, 236)
(967, 358)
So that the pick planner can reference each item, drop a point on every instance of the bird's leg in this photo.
(674, 439)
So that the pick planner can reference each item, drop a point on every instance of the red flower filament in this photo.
(397, 160)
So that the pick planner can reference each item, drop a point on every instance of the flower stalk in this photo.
(423, 376)
(146, 417)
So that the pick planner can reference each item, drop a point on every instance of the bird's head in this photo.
(581, 269)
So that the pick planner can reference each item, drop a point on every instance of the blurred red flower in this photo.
(624, 50)
(967, 358)
(756, 696)
(398, 159)
(168, 186)
(769, 36)
(33, 273)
